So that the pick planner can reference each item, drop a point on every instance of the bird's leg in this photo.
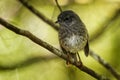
(68, 56)
(79, 62)
(67, 53)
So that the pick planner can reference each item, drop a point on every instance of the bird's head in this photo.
(68, 18)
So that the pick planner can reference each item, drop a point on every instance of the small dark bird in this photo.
(73, 35)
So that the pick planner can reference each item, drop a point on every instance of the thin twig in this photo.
(32, 9)
(58, 5)
(50, 48)
(105, 64)
(38, 14)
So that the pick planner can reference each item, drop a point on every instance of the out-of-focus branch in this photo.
(106, 25)
(28, 62)
(105, 64)
(51, 49)
(36, 12)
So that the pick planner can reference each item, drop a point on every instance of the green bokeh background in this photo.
(21, 59)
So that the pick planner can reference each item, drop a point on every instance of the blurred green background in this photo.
(21, 59)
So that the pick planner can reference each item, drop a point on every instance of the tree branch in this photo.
(51, 49)
(38, 14)
(105, 64)
(41, 16)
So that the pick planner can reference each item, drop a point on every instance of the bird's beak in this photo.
(57, 21)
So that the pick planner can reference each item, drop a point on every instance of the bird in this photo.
(73, 35)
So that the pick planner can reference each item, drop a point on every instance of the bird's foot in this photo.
(79, 63)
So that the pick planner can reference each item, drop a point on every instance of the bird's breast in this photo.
(73, 43)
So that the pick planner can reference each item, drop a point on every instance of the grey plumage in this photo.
(73, 35)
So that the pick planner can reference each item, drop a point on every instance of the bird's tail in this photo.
(86, 49)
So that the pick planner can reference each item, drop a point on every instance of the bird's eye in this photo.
(67, 19)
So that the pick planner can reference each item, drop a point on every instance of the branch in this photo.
(105, 64)
(105, 27)
(51, 49)
(38, 14)
(41, 16)
(28, 62)
(58, 6)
